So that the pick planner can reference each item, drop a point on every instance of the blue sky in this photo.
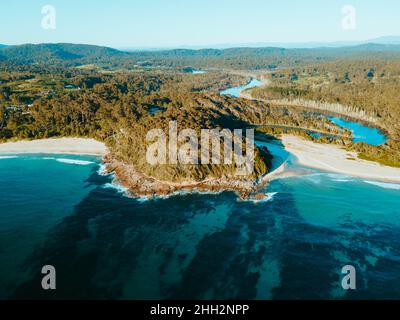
(173, 23)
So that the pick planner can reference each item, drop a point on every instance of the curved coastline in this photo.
(332, 158)
(56, 146)
(125, 176)
(139, 185)
(324, 157)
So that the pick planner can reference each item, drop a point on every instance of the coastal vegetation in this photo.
(363, 90)
(117, 97)
(120, 109)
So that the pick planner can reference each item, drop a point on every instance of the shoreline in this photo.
(245, 93)
(334, 159)
(139, 185)
(136, 183)
(326, 157)
(74, 146)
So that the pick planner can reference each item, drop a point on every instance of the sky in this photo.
(176, 23)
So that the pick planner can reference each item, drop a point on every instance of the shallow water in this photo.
(361, 132)
(107, 246)
(36, 193)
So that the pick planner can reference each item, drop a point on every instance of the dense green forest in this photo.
(69, 55)
(116, 97)
(118, 109)
(367, 90)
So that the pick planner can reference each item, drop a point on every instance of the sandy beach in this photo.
(62, 145)
(335, 159)
(314, 155)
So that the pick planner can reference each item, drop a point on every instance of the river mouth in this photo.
(165, 249)
(194, 246)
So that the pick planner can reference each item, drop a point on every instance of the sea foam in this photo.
(177, 194)
(115, 186)
(339, 177)
(385, 185)
(7, 157)
(268, 197)
(318, 177)
(103, 170)
(72, 161)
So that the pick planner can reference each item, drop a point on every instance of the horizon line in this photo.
(269, 44)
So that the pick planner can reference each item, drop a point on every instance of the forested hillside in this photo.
(365, 90)
(235, 58)
(56, 90)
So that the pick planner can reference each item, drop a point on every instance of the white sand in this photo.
(52, 146)
(335, 159)
(314, 155)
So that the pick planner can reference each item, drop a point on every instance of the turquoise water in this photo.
(235, 92)
(315, 135)
(59, 210)
(56, 210)
(37, 192)
(361, 133)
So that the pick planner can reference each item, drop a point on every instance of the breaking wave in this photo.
(385, 185)
(77, 162)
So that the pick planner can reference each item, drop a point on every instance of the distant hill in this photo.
(287, 45)
(386, 40)
(57, 53)
(365, 47)
(211, 52)
(69, 55)
(321, 52)
(376, 47)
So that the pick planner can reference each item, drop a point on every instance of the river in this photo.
(60, 210)
(235, 91)
(361, 132)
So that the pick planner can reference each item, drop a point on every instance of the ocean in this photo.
(59, 210)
